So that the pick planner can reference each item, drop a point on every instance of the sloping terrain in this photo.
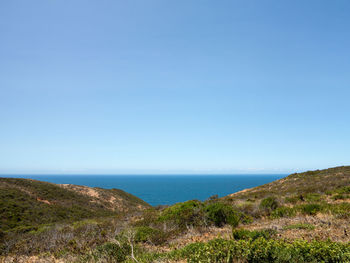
(319, 181)
(25, 203)
(303, 217)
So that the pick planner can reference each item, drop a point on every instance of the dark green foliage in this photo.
(196, 213)
(221, 214)
(269, 204)
(238, 234)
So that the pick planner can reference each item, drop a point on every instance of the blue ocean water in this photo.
(164, 189)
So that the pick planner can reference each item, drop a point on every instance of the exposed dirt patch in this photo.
(43, 201)
(82, 190)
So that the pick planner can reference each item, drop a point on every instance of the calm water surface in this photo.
(164, 189)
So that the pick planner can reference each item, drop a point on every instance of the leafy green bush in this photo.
(269, 204)
(221, 214)
(195, 213)
(190, 213)
(283, 211)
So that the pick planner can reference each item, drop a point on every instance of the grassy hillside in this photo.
(26, 203)
(319, 181)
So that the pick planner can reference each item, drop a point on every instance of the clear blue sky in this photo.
(174, 86)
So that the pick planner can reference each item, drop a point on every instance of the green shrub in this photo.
(145, 234)
(269, 204)
(111, 252)
(313, 197)
(343, 190)
(310, 209)
(149, 217)
(340, 197)
(293, 199)
(283, 211)
(300, 226)
(190, 213)
(341, 210)
(220, 214)
(261, 250)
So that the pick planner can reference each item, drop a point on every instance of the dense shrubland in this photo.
(26, 204)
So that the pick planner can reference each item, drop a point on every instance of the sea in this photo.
(164, 189)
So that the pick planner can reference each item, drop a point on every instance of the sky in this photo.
(179, 86)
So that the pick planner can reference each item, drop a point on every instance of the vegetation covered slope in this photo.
(26, 203)
(319, 181)
(301, 218)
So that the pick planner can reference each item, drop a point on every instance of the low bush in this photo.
(220, 214)
(149, 217)
(195, 213)
(294, 199)
(283, 211)
(111, 252)
(340, 196)
(149, 234)
(343, 190)
(341, 210)
(310, 209)
(250, 209)
(313, 197)
(190, 213)
(262, 250)
(269, 204)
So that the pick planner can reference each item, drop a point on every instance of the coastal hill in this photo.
(26, 203)
(303, 217)
(318, 181)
